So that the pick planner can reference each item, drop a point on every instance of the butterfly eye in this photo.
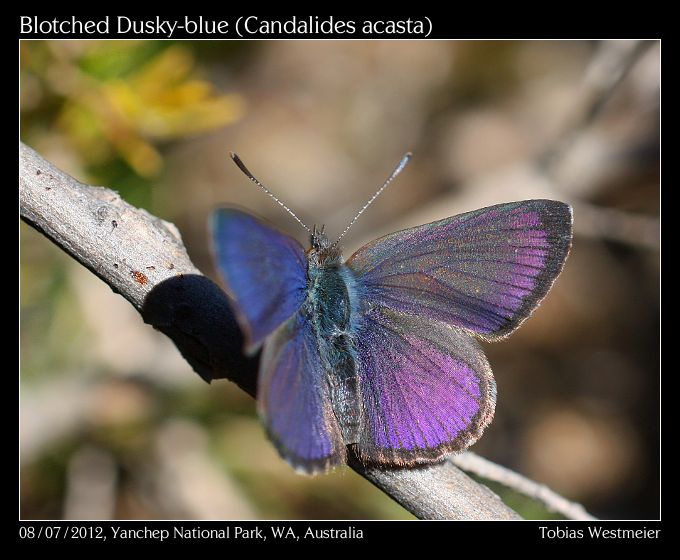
(318, 239)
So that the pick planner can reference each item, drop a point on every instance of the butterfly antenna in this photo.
(247, 173)
(398, 169)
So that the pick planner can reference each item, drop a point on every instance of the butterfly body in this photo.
(376, 352)
(331, 292)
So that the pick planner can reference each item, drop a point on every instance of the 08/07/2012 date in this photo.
(54, 532)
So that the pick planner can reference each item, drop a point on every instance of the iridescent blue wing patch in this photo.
(427, 388)
(265, 272)
(293, 399)
(484, 271)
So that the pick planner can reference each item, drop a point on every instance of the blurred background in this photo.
(115, 424)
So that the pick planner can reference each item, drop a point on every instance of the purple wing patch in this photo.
(293, 399)
(265, 272)
(427, 389)
(484, 271)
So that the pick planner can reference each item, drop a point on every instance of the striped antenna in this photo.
(398, 169)
(247, 173)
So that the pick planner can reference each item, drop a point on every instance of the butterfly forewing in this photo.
(264, 269)
(484, 271)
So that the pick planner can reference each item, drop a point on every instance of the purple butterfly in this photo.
(376, 352)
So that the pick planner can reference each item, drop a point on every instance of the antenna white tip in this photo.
(398, 169)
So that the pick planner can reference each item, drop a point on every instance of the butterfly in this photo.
(379, 352)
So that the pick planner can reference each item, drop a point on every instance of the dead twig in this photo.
(473, 463)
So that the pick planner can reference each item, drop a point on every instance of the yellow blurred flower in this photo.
(128, 113)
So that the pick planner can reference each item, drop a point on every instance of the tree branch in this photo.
(471, 462)
(142, 258)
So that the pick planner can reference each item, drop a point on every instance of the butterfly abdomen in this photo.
(330, 297)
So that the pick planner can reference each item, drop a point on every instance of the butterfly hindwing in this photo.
(484, 271)
(427, 388)
(264, 269)
(293, 399)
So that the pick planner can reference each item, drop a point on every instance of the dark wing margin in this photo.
(484, 271)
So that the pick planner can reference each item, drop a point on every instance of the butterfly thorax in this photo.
(329, 301)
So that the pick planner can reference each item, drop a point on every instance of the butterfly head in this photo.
(322, 251)
(318, 239)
